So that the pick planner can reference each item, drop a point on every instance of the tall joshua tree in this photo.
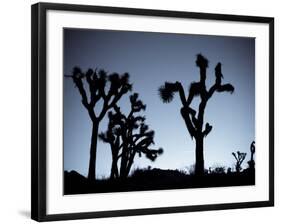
(128, 135)
(104, 89)
(194, 120)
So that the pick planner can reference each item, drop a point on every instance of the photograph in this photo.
(166, 110)
(147, 111)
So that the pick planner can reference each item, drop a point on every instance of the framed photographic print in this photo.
(138, 111)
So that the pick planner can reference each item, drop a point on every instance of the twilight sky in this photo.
(151, 59)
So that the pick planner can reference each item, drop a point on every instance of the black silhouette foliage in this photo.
(239, 157)
(167, 91)
(128, 136)
(98, 86)
(194, 120)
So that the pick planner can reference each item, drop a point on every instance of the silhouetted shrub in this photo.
(239, 157)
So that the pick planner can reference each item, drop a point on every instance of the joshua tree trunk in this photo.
(114, 167)
(124, 160)
(199, 166)
(93, 152)
(114, 171)
(130, 163)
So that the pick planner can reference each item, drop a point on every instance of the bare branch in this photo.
(185, 112)
(182, 94)
(208, 129)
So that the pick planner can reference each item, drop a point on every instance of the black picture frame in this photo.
(39, 122)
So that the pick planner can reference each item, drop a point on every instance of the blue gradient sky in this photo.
(151, 59)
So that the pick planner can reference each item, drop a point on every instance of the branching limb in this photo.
(185, 112)
(208, 129)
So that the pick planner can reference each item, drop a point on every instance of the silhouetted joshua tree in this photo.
(239, 157)
(194, 120)
(251, 162)
(103, 89)
(128, 136)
